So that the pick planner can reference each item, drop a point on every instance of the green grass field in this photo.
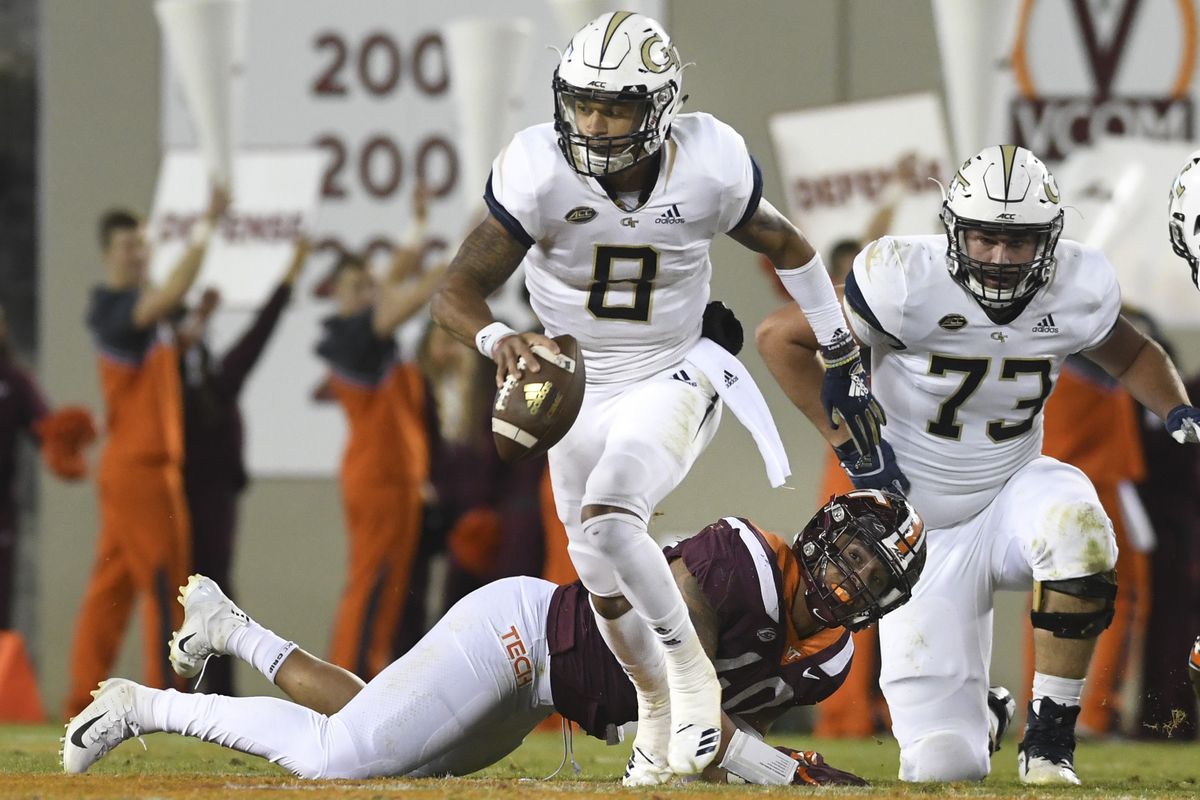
(175, 767)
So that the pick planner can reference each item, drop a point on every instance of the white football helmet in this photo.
(619, 57)
(1004, 189)
(1184, 221)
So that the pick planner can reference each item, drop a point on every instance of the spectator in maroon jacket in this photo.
(62, 436)
(214, 472)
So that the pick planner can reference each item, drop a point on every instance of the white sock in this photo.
(637, 650)
(1064, 691)
(285, 733)
(260, 648)
(641, 655)
(643, 574)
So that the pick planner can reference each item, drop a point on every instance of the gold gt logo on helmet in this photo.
(656, 56)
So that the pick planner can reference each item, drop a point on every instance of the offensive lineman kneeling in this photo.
(775, 620)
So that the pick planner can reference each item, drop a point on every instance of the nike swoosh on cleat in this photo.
(183, 644)
(77, 736)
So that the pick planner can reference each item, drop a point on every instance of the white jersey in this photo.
(630, 286)
(964, 395)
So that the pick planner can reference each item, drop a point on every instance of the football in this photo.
(532, 414)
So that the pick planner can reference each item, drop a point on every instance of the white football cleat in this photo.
(647, 764)
(208, 619)
(1047, 755)
(106, 722)
(645, 769)
(695, 718)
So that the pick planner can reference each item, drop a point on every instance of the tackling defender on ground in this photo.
(772, 618)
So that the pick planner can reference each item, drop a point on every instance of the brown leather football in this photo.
(532, 414)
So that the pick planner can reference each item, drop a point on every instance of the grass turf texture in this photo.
(177, 767)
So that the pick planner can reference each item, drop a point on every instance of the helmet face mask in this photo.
(860, 557)
(1004, 195)
(623, 62)
(994, 284)
(1184, 215)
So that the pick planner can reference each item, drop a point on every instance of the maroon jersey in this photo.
(751, 580)
(21, 405)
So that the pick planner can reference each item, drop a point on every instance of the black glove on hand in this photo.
(1183, 423)
(846, 394)
(812, 770)
(721, 326)
(879, 470)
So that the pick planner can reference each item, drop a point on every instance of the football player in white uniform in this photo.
(966, 342)
(612, 208)
(1183, 220)
(1184, 225)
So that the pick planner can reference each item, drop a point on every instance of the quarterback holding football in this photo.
(612, 209)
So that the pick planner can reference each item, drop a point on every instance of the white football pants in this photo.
(630, 447)
(465, 696)
(1046, 524)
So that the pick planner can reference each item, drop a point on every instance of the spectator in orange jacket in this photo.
(386, 460)
(142, 549)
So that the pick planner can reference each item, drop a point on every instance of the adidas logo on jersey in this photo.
(730, 378)
(1046, 325)
(671, 216)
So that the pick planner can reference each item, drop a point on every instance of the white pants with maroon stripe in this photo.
(465, 696)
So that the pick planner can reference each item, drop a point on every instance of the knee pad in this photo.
(944, 756)
(613, 535)
(1079, 624)
(597, 575)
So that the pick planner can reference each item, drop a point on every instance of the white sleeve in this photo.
(511, 193)
(1105, 308)
(741, 179)
(876, 290)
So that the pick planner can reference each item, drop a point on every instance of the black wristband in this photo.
(841, 350)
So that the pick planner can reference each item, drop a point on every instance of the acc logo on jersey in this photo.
(581, 214)
(536, 394)
(952, 322)
(766, 634)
